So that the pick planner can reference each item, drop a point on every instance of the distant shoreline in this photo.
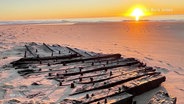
(66, 21)
(76, 22)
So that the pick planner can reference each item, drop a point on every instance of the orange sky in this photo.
(57, 9)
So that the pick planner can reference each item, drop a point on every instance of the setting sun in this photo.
(137, 12)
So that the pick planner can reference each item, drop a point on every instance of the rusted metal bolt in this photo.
(72, 85)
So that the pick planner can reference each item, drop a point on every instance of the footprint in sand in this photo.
(148, 58)
(180, 89)
(137, 52)
(180, 68)
(115, 44)
(160, 61)
(179, 73)
(169, 65)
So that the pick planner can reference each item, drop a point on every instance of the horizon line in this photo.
(83, 18)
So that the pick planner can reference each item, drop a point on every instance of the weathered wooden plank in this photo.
(148, 81)
(72, 50)
(102, 68)
(29, 50)
(37, 60)
(82, 53)
(110, 76)
(48, 47)
(113, 83)
(136, 88)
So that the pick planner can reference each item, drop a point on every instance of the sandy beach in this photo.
(157, 43)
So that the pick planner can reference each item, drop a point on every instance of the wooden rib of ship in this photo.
(93, 78)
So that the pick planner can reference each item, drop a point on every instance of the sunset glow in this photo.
(58, 9)
(137, 12)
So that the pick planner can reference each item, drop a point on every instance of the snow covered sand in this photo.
(157, 43)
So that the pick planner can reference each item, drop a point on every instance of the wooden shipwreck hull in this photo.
(133, 88)
(91, 78)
